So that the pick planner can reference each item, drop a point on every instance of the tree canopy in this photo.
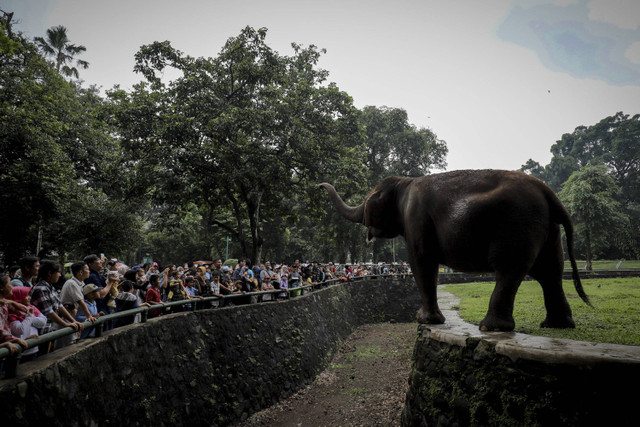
(614, 144)
(228, 152)
(58, 46)
(239, 132)
(590, 196)
(59, 160)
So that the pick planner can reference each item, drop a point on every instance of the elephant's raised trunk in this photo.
(352, 214)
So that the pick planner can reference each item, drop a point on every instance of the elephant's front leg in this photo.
(426, 277)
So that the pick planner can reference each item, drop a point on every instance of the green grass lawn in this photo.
(615, 317)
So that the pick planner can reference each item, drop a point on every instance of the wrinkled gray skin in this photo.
(475, 221)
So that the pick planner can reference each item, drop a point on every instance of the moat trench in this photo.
(365, 384)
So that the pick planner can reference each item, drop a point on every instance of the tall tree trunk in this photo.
(252, 199)
(239, 233)
(589, 266)
(254, 223)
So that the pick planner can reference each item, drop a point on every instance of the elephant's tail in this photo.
(564, 219)
(568, 230)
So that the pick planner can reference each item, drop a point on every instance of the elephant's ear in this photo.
(378, 208)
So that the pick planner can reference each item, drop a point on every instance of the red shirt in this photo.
(153, 295)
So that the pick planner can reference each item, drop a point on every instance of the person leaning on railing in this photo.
(153, 295)
(25, 325)
(7, 305)
(72, 290)
(126, 300)
(45, 297)
(29, 266)
(267, 286)
(215, 287)
(90, 293)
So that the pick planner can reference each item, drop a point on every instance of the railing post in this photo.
(11, 363)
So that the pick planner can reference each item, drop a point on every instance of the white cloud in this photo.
(569, 39)
(633, 53)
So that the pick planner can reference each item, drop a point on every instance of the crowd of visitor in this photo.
(39, 296)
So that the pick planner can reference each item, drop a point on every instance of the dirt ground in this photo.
(365, 385)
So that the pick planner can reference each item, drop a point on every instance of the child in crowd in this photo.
(189, 287)
(192, 292)
(216, 288)
(153, 295)
(284, 284)
(175, 289)
(25, 325)
(7, 306)
(202, 282)
(226, 285)
(267, 286)
(113, 277)
(239, 288)
(126, 300)
(90, 292)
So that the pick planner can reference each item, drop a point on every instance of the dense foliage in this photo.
(225, 158)
(596, 169)
(62, 183)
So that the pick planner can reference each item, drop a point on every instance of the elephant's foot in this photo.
(493, 323)
(431, 318)
(560, 322)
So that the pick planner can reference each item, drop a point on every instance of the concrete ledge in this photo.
(521, 346)
(464, 376)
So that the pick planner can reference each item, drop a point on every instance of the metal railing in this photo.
(609, 265)
(13, 360)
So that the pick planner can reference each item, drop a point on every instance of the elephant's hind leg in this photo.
(500, 314)
(547, 270)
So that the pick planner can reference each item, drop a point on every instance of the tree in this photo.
(33, 177)
(236, 134)
(396, 147)
(613, 142)
(58, 46)
(533, 168)
(61, 168)
(589, 195)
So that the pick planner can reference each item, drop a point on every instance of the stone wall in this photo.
(461, 376)
(216, 367)
(212, 367)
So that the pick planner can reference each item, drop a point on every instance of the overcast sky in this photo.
(499, 80)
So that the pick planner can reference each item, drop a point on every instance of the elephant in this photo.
(475, 221)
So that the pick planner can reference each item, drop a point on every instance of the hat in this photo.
(88, 288)
(225, 268)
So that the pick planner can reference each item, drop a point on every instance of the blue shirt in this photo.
(93, 310)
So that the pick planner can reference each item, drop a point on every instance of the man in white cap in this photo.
(71, 293)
